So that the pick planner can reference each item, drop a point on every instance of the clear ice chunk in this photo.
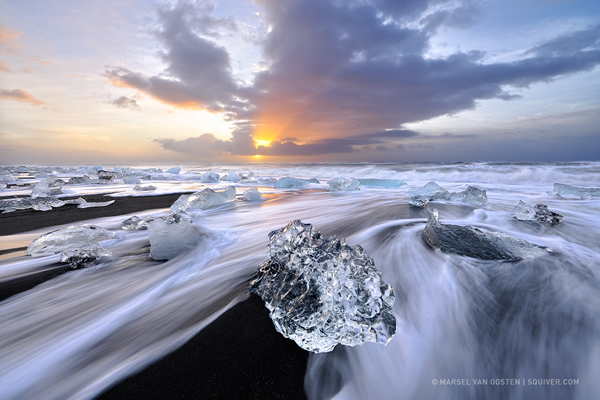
(418, 201)
(136, 223)
(171, 236)
(69, 238)
(472, 196)
(79, 180)
(85, 256)
(44, 189)
(538, 212)
(252, 194)
(289, 182)
(583, 193)
(341, 185)
(230, 177)
(386, 183)
(321, 293)
(173, 170)
(204, 199)
(472, 242)
(209, 177)
(431, 190)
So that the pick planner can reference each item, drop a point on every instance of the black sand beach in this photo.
(239, 356)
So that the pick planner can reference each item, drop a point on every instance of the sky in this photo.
(138, 81)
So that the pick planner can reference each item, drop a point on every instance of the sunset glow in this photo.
(214, 80)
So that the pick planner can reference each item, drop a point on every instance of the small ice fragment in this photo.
(386, 183)
(136, 223)
(209, 177)
(173, 170)
(230, 177)
(131, 179)
(174, 235)
(341, 184)
(107, 176)
(85, 256)
(252, 194)
(144, 188)
(69, 238)
(472, 242)
(289, 182)
(539, 212)
(321, 293)
(79, 180)
(204, 199)
(418, 201)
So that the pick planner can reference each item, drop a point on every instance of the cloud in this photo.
(20, 95)
(125, 102)
(335, 70)
(4, 67)
(198, 70)
(242, 143)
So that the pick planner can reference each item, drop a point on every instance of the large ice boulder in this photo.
(173, 235)
(472, 242)
(85, 256)
(322, 292)
(204, 199)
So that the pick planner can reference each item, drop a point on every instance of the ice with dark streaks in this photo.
(473, 242)
(537, 212)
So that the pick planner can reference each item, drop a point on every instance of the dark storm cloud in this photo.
(337, 69)
(125, 102)
(207, 145)
(198, 73)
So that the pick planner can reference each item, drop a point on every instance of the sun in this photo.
(257, 156)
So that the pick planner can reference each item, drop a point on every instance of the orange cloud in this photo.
(4, 67)
(20, 95)
(8, 40)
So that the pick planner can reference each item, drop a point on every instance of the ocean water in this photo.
(467, 328)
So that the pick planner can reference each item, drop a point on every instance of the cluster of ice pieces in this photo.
(341, 185)
(47, 187)
(172, 235)
(561, 190)
(472, 242)
(323, 292)
(78, 245)
(538, 212)
(204, 199)
(289, 182)
(46, 203)
(419, 197)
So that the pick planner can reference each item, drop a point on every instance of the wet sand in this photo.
(239, 356)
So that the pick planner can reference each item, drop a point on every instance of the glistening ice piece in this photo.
(323, 292)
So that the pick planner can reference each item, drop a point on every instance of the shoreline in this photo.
(28, 220)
